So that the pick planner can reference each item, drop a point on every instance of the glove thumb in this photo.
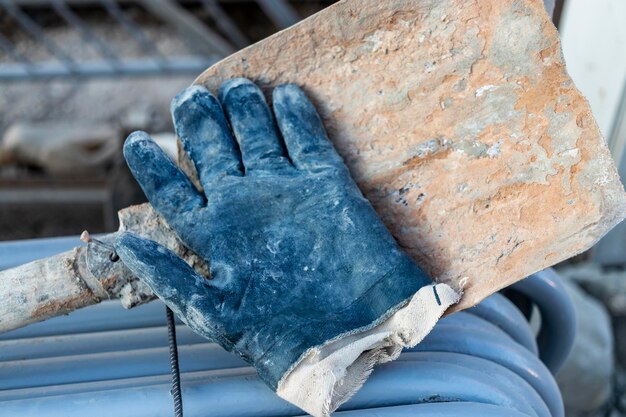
(168, 275)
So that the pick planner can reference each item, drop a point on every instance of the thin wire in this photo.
(171, 335)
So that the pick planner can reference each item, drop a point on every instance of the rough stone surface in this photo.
(586, 377)
(460, 123)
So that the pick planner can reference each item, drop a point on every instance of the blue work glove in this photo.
(306, 283)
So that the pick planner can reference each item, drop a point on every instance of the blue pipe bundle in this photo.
(106, 361)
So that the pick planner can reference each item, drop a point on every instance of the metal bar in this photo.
(280, 12)
(211, 45)
(175, 392)
(70, 17)
(87, 2)
(53, 196)
(225, 23)
(202, 38)
(127, 67)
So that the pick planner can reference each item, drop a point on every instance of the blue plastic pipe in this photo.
(558, 318)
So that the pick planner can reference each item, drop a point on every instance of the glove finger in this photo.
(168, 275)
(302, 129)
(203, 130)
(167, 188)
(253, 125)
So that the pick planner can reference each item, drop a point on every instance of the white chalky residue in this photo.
(271, 248)
(346, 217)
(290, 94)
(195, 314)
(484, 88)
(428, 147)
(463, 282)
(571, 153)
(494, 150)
(189, 93)
(236, 82)
(375, 40)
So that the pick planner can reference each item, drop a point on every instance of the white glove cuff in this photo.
(327, 376)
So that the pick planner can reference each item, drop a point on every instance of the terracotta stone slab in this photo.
(460, 123)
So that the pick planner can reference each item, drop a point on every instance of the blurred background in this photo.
(76, 76)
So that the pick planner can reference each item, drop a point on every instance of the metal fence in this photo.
(208, 39)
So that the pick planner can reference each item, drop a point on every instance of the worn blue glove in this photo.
(306, 283)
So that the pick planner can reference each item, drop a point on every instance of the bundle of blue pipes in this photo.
(103, 361)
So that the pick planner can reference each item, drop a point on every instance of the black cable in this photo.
(171, 335)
